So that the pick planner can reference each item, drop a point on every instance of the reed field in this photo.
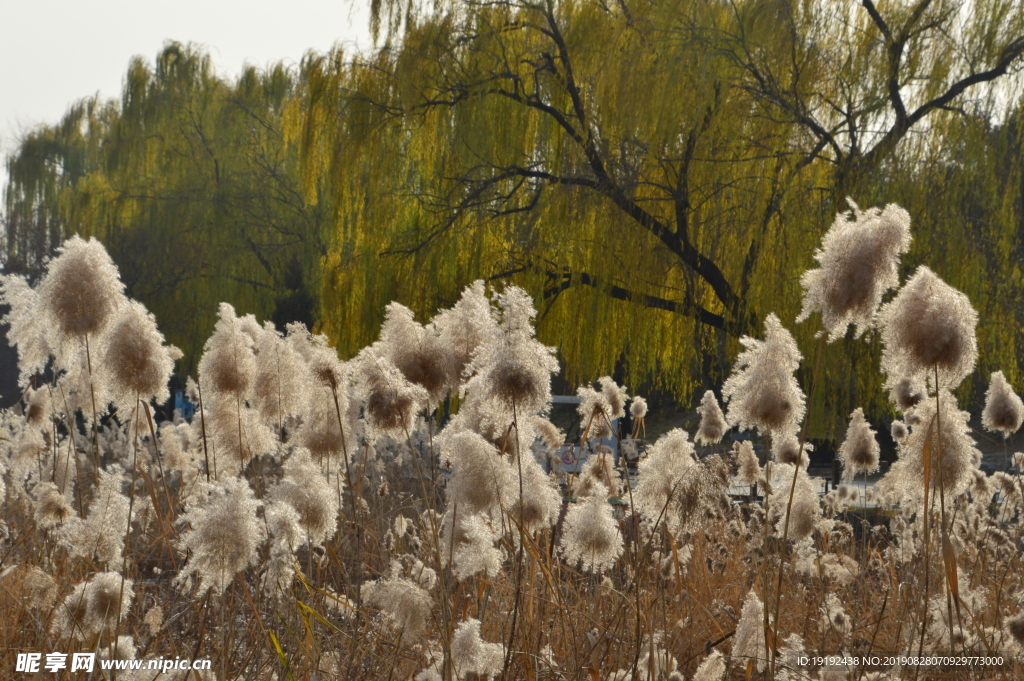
(404, 514)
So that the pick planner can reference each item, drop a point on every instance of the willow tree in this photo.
(658, 174)
(190, 184)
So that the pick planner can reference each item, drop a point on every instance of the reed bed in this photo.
(389, 517)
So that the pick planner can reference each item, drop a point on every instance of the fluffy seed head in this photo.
(514, 368)
(712, 421)
(466, 327)
(615, 395)
(748, 468)
(138, 363)
(749, 642)
(92, 537)
(906, 393)
(1015, 628)
(538, 504)
(27, 326)
(762, 392)
(638, 407)
(549, 433)
(598, 470)
(406, 604)
(93, 607)
(929, 325)
(786, 449)
(52, 507)
(952, 454)
(590, 535)
(594, 411)
(472, 655)
(308, 492)
(417, 351)
(391, 401)
(82, 289)
(228, 363)
(38, 407)
(1004, 410)
(711, 669)
(899, 431)
(860, 451)
(481, 479)
(469, 540)
(859, 261)
(225, 535)
(806, 509)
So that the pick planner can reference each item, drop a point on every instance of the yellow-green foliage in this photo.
(465, 149)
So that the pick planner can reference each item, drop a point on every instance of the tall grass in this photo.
(318, 519)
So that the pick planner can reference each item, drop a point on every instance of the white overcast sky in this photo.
(54, 52)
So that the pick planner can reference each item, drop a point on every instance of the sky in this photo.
(55, 52)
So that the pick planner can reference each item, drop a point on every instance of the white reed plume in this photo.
(38, 407)
(321, 359)
(306, 489)
(595, 412)
(237, 431)
(549, 433)
(472, 655)
(951, 456)
(513, 368)
(1015, 629)
(906, 393)
(748, 467)
(762, 392)
(418, 352)
(320, 430)
(82, 289)
(281, 384)
(928, 326)
(228, 364)
(598, 470)
(675, 489)
(786, 449)
(466, 327)
(538, 505)
(860, 451)
(136, 362)
(121, 649)
(668, 461)
(805, 513)
(391, 402)
(712, 421)
(711, 669)
(52, 507)
(590, 535)
(406, 604)
(638, 407)
(858, 262)
(481, 480)
(899, 431)
(468, 542)
(615, 396)
(224, 537)
(286, 535)
(788, 660)
(748, 644)
(96, 536)
(94, 607)
(28, 327)
(836, 618)
(1004, 410)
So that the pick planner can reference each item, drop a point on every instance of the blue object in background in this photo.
(183, 406)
